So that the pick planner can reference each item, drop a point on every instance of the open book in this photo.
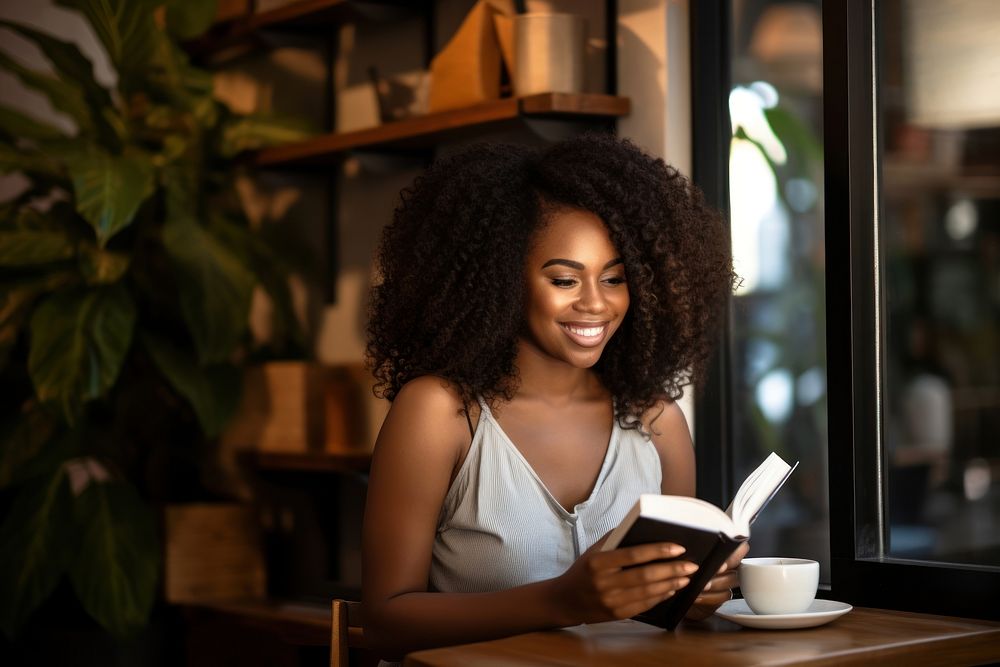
(707, 533)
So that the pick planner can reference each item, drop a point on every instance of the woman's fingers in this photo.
(630, 580)
(626, 602)
(646, 574)
(619, 596)
(714, 598)
(639, 585)
(636, 555)
(734, 559)
(645, 589)
(718, 590)
(723, 582)
(632, 608)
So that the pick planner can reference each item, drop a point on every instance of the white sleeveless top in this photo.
(500, 527)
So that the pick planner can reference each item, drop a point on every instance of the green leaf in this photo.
(244, 133)
(794, 134)
(172, 77)
(37, 542)
(30, 218)
(212, 391)
(100, 266)
(28, 448)
(272, 273)
(214, 288)
(65, 96)
(127, 29)
(79, 340)
(110, 189)
(180, 177)
(25, 247)
(32, 163)
(19, 125)
(116, 565)
(71, 65)
(16, 299)
(187, 20)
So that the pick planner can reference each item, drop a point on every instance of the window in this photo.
(908, 280)
(915, 358)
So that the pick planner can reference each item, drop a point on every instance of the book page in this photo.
(757, 489)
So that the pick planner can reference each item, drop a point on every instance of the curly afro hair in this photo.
(449, 300)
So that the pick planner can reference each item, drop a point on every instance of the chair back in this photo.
(346, 632)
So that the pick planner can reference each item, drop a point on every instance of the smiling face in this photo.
(576, 296)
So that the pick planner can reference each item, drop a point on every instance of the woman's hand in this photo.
(612, 585)
(719, 588)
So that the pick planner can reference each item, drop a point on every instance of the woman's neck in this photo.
(552, 381)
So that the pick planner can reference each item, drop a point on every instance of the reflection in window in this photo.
(939, 94)
(778, 314)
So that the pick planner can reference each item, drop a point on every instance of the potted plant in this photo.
(126, 273)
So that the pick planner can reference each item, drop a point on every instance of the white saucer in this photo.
(818, 613)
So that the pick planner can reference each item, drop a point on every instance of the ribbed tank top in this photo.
(500, 527)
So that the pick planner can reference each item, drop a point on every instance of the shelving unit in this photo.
(425, 131)
(304, 16)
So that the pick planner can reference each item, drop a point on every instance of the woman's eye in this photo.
(616, 280)
(563, 282)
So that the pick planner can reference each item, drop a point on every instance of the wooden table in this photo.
(863, 636)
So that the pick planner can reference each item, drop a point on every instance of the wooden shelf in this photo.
(352, 462)
(300, 16)
(426, 131)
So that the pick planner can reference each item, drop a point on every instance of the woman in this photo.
(538, 313)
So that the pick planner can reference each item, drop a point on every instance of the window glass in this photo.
(938, 77)
(777, 321)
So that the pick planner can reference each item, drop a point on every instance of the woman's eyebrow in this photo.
(577, 265)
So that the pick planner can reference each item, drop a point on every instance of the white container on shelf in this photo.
(549, 53)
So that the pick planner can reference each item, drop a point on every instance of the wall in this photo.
(654, 71)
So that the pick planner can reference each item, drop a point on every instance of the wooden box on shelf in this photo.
(212, 551)
(297, 407)
(282, 408)
(346, 409)
(230, 10)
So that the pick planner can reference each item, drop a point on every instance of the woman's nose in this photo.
(591, 300)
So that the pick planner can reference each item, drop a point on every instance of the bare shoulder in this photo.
(430, 392)
(417, 451)
(669, 433)
(665, 418)
(426, 413)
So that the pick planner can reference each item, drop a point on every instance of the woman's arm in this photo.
(672, 439)
(419, 447)
(669, 432)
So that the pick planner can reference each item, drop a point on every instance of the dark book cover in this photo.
(706, 549)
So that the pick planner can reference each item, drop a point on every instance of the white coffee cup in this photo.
(779, 585)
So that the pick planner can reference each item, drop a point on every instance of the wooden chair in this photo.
(347, 631)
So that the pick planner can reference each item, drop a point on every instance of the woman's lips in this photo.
(585, 334)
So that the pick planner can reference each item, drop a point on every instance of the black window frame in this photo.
(711, 133)
(861, 572)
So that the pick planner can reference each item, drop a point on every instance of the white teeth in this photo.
(589, 331)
